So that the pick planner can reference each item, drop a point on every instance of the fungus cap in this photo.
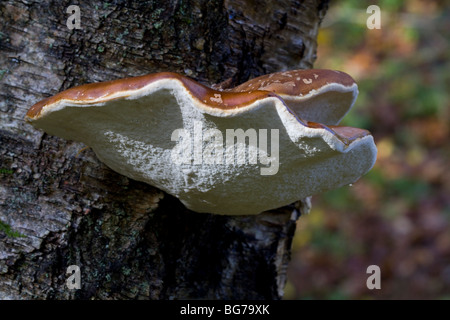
(318, 95)
(242, 151)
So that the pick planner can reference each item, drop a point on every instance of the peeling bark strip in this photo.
(59, 206)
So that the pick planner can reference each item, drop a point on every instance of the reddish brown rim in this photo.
(223, 100)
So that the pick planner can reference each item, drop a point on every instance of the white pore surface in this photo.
(133, 136)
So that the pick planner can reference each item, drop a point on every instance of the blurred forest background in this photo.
(398, 215)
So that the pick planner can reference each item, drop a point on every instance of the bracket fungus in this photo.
(264, 144)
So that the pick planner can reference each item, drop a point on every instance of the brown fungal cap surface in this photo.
(317, 95)
(122, 88)
(173, 133)
(296, 82)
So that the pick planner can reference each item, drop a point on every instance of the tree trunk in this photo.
(60, 206)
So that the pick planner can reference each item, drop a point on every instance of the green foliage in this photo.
(339, 199)
(330, 242)
(5, 228)
(6, 171)
(410, 190)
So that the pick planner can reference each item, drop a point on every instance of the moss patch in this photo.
(6, 228)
